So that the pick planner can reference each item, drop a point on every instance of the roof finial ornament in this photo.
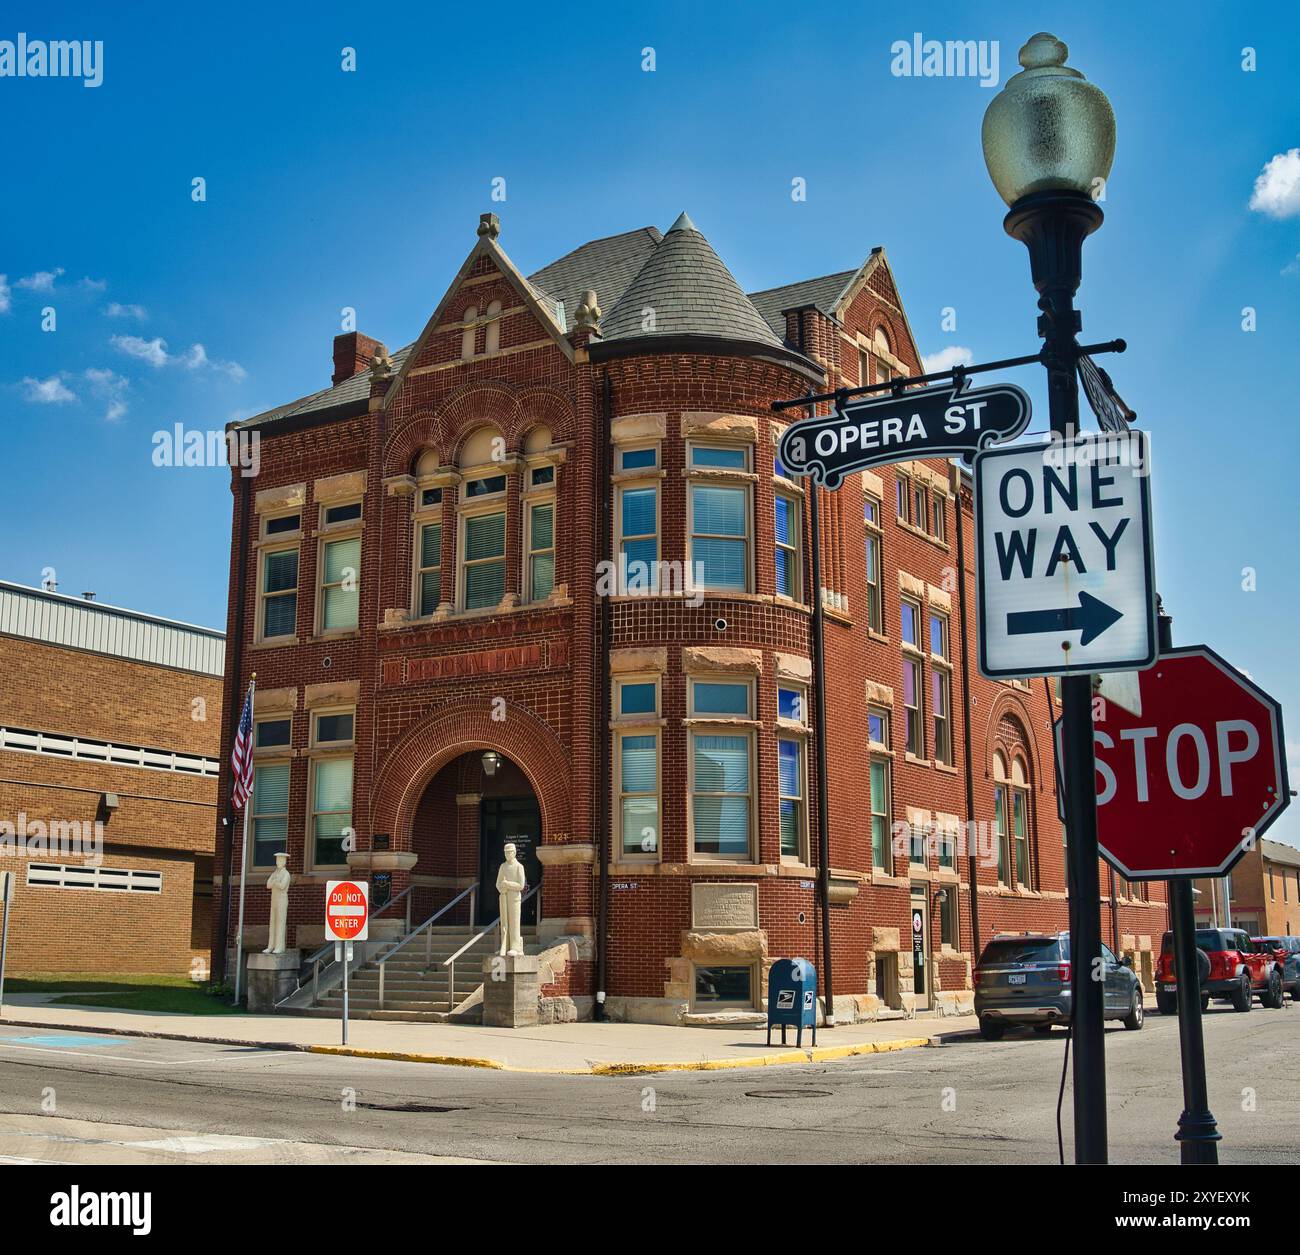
(381, 366)
(588, 313)
(489, 225)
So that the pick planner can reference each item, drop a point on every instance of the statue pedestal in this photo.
(271, 977)
(511, 987)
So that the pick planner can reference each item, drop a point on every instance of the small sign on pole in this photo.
(347, 919)
(6, 897)
(1066, 578)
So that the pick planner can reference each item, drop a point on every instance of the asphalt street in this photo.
(89, 1098)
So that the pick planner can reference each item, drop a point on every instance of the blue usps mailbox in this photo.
(792, 998)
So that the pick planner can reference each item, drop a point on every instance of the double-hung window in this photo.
(483, 542)
(636, 745)
(792, 723)
(340, 583)
(881, 802)
(279, 593)
(875, 565)
(913, 693)
(541, 549)
(270, 813)
(1011, 821)
(429, 571)
(789, 573)
(330, 787)
(721, 773)
(940, 689)
(720, 510)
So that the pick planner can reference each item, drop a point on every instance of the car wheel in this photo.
(1205, 1003)
(1272, 998)
(1167, 1004)
(991, 1030)
(1133, 1020)
(1242, 995)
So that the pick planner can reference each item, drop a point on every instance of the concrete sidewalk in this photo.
(565, 1049)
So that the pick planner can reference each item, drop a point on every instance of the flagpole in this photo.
(243, 856)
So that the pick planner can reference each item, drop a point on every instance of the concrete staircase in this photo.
(416, 989)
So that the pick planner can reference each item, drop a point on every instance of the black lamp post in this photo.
(1049, 139)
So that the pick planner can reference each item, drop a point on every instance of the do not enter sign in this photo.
(1187, 786)
(347, 910)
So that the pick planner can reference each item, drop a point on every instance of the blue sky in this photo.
(328, 189)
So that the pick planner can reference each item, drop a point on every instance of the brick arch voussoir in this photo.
(492, 404)
(1008, 704)
(420, 433)
(544, 406)
(431, 745)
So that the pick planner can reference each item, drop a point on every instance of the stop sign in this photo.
(347, 910)
(1184, 788)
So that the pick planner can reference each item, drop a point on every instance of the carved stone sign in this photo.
(724, 906)
(536, 656)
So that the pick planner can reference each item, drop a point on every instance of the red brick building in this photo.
(553, 531)
(109, 732)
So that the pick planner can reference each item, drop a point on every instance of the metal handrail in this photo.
(313, 960)
(471, 892)
(450, 964)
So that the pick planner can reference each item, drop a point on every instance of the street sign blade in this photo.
(942, 421)
(1065, 574)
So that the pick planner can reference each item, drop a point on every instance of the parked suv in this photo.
(1234, 970)
(1024, 978)
(1286, 950)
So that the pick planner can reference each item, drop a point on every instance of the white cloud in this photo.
(116, 310)
(194, 358)
(111, 387)
(1277, 189)
(51, 391)
(152, 351)
(946, 359)
(4, 294)
(94, 285)
(41, 281)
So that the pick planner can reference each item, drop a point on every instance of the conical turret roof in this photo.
(683, 289)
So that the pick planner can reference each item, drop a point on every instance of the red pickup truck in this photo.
(1233, 969)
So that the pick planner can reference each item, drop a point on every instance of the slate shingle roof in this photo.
(691, 293)
(824, 293)
(606, 265)
(678, 275)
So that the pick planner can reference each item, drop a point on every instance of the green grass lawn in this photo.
(131, 992)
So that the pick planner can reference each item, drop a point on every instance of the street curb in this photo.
(810, 1054)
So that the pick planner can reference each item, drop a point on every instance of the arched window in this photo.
(1011, 820)
(539, 516)
(492, 337)
(481, 582)
(470, 319)
(428, 586)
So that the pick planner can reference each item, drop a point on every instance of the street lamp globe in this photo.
(1048, 129)
(491, 761)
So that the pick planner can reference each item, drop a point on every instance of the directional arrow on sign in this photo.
(1091, 616)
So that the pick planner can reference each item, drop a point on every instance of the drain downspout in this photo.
(604, 553)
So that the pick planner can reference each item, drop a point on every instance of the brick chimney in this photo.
(352, 354)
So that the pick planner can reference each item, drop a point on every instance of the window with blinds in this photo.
(639, 792)
(541, 550)
(279, 593)
(484, 558)
(789, 581)
(790, 774)
(720, 801)
(720, 537)
(429, 572)
(270, 812)
(639, 535)
(340, 583)
(331, 810)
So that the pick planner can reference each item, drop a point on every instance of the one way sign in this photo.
(1066, 581)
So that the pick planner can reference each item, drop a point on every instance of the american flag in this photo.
(241, 756)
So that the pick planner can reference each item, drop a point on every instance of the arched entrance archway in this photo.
(469, 810)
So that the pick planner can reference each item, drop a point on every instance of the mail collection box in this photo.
(792, 998)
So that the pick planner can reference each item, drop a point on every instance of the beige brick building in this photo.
(1263, 896)
(109, 732)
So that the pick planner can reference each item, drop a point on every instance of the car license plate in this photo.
(1016, 978)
